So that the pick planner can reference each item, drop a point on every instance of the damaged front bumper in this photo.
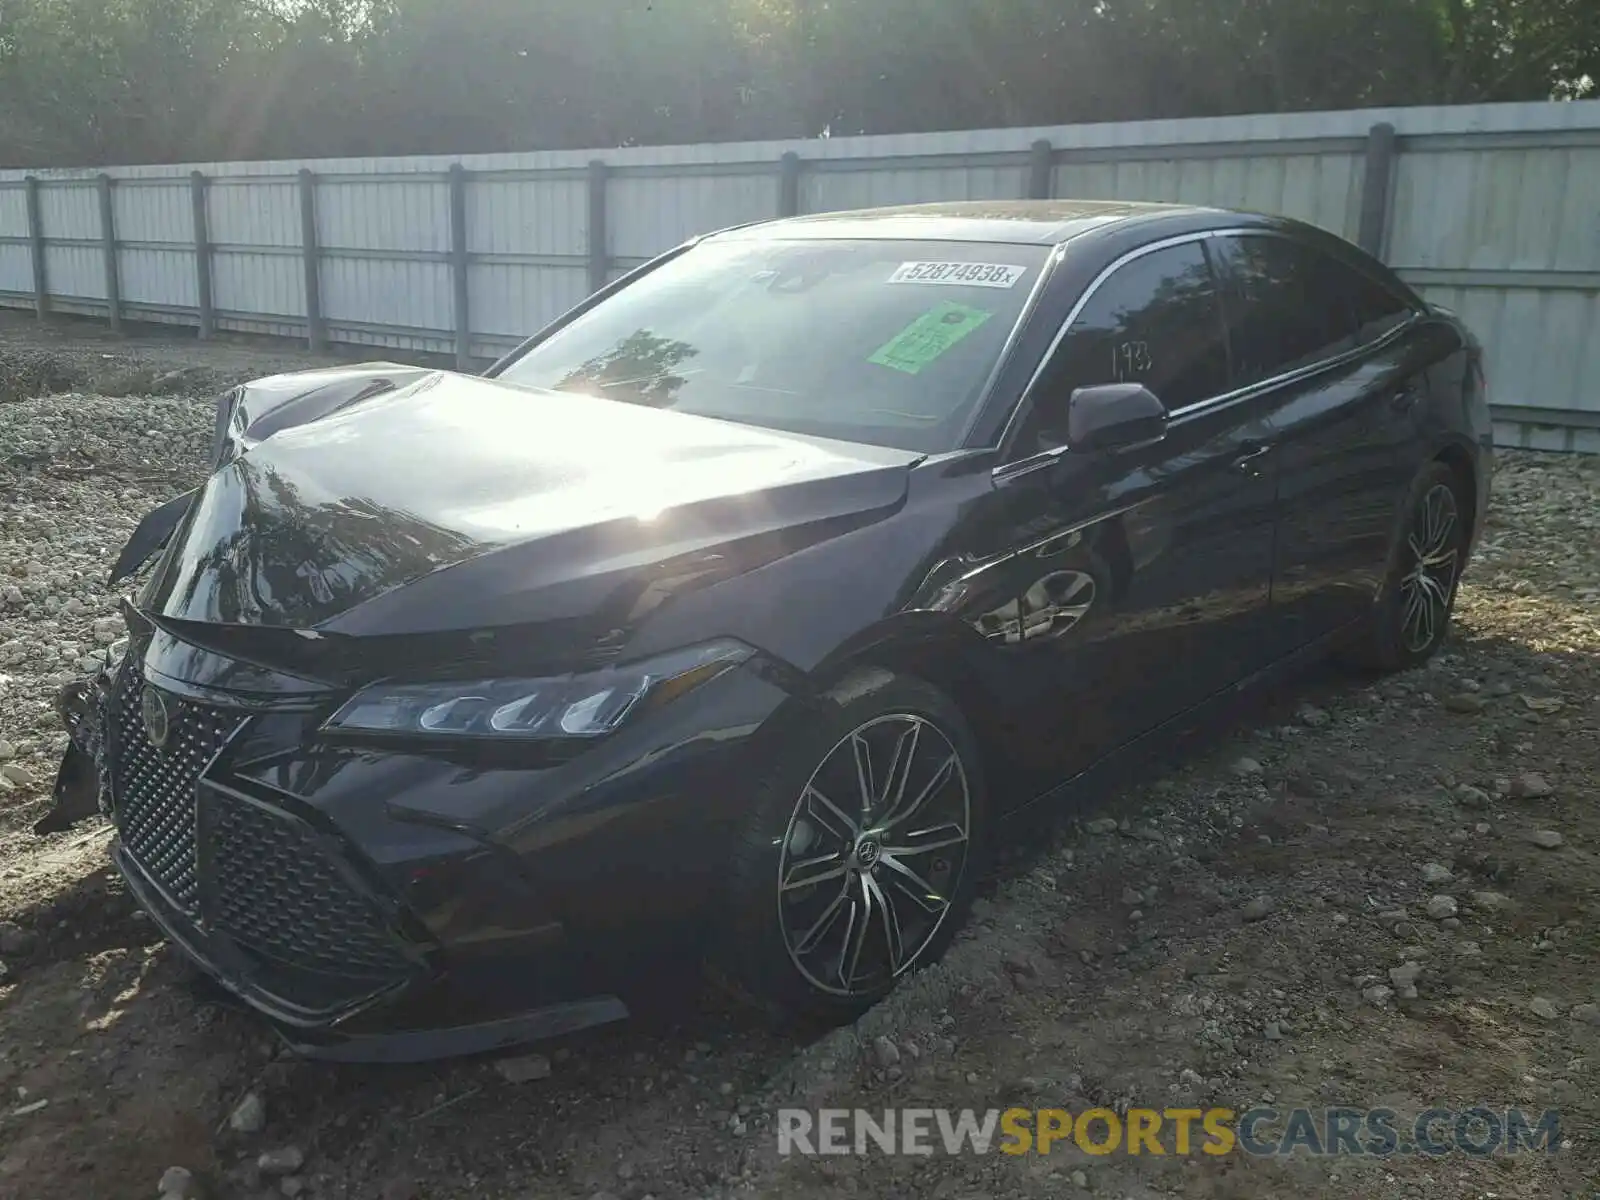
(81, 789)
(374, 984)
(408, 1021)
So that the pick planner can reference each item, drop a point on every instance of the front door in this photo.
(1126, 587)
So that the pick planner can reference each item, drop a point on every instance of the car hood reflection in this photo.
(482, 497)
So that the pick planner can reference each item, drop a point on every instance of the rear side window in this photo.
(1156, 321)
(1290, 305)
(1378, 309)
(1285, 308)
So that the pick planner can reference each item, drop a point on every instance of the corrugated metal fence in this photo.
(1492, 210)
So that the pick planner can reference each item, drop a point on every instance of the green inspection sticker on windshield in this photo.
(928, 337)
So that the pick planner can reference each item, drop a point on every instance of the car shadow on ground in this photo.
(95, 914)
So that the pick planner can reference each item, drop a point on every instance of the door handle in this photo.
(1249, 463)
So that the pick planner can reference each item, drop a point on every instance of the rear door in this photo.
(1325, 345)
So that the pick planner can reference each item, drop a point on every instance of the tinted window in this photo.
(886, 342)
(1156, 321)
(1288, 306)
(1378, 309)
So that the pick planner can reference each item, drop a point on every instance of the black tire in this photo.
(759, 944)
(1411, 617)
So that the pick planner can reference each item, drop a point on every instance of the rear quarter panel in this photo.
(1457, 423)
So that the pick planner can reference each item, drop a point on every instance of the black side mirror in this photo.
(1112, 415)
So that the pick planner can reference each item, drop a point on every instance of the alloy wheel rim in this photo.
(1057, 603)
(873, 854)
(1428, 587)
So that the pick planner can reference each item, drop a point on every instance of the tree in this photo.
(101, 81)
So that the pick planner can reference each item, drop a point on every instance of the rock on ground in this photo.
(249, 1115)
(525, 1068)
(284, 1160)
(178, 1183)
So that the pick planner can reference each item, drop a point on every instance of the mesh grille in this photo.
(258, 875)
(154, 788)
(276, 891)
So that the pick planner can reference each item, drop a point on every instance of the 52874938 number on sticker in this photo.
(970, 274)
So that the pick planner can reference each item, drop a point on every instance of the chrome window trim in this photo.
(1026, 466)
(986, 394)
(1023, 466)
(1299, 373)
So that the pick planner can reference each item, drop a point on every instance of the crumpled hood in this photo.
(457, 503)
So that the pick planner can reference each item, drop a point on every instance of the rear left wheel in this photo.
(1433, 555)
(1412, 615)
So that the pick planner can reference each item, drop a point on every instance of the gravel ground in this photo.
(1357, 893)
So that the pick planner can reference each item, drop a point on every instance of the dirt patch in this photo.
(1228, 939)
(69, 355)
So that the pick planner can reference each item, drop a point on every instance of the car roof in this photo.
(1022, 222)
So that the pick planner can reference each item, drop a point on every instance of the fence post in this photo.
(1041, 170)
(599, 256)
(41, 283)
(459, 265)
(202, 254)
(316, 334)
(789, 185)
(1381, 150)
(108, 240)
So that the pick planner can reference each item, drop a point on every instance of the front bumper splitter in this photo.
(425, 1045)
(357, 1034)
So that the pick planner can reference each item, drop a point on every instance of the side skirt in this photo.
(1133, 760)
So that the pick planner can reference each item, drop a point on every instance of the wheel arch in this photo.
(1463, 466)
(940, 650)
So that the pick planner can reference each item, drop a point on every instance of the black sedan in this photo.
(734, 611)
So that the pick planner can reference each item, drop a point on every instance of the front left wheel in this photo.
(857, 861)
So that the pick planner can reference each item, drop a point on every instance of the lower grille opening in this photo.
(277, 888)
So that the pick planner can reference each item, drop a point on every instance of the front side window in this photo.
(1157, 321)
(884, 342)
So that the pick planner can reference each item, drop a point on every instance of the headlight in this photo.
(564, 706)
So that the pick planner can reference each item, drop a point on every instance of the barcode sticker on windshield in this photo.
(968, 274)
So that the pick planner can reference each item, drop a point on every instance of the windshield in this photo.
(886, 342)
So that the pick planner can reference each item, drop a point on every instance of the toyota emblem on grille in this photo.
(157, 720)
